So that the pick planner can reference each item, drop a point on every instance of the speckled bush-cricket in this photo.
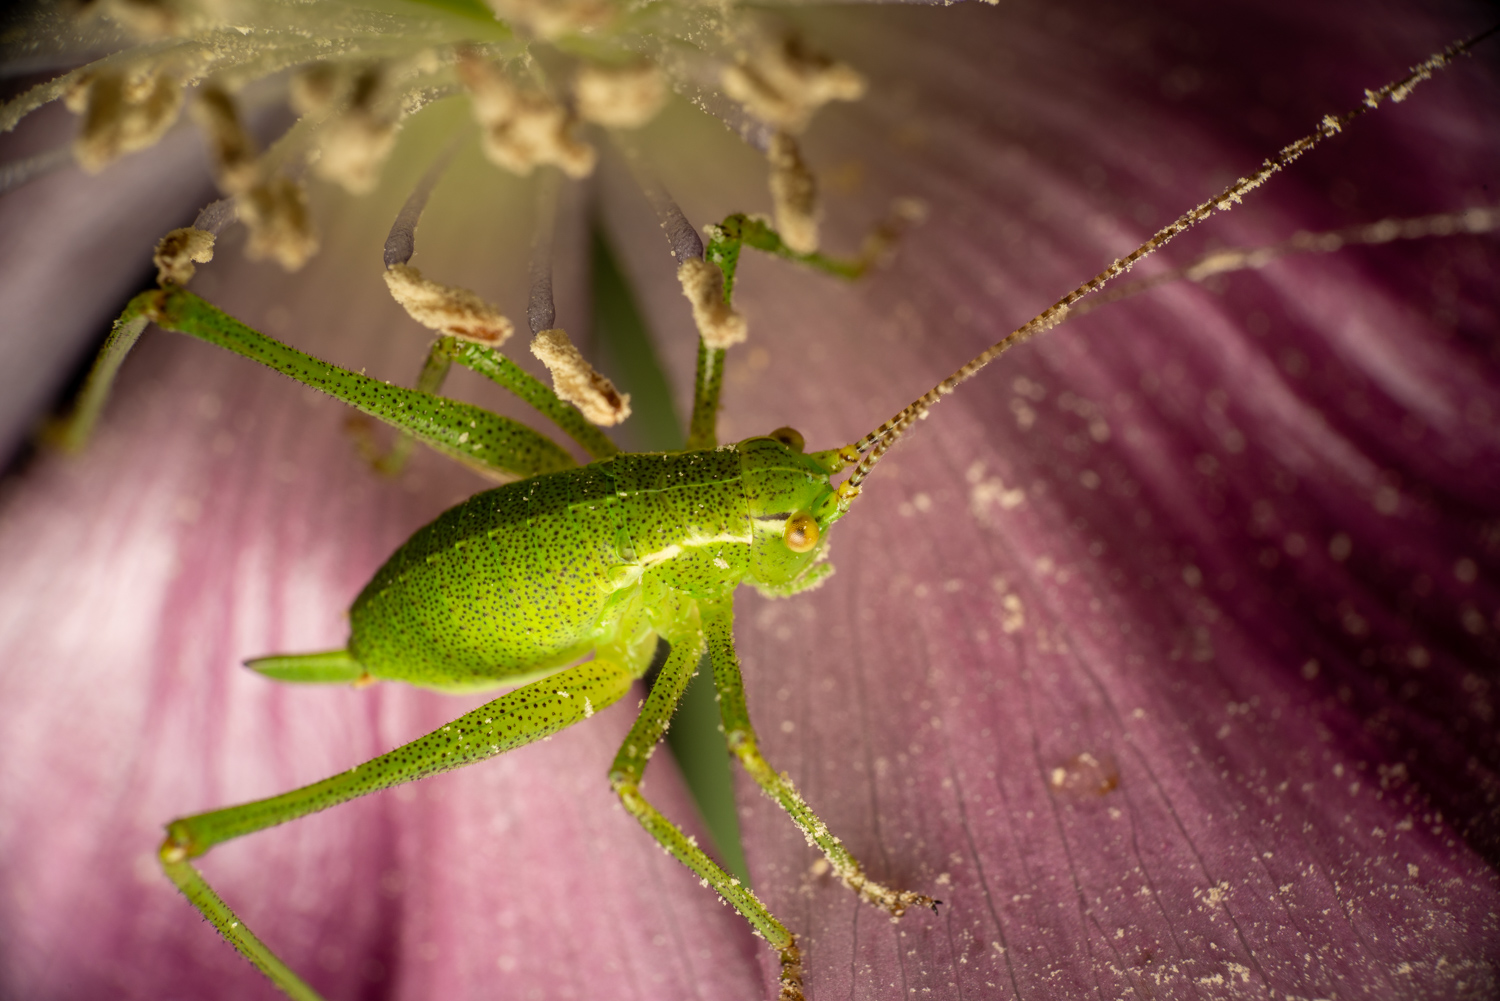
(515, 583)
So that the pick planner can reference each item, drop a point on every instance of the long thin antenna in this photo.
(878, 442)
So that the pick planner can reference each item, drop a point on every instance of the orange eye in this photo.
(791, 438)
(801, 532)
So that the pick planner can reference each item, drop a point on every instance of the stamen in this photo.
(316, 89)
(17, 173)
(356, 144)
(619, 97)
(784, 84)
(551, 19)
(149, 19)
(230, 147)
(576, 381)
(794, 194)
(684, 239)
(121, 113)
(541, 312)
(275, 212)
(401, 244)
(718, 323)
(214, 216)
(178, 250)
(522, 128)
(447, 309)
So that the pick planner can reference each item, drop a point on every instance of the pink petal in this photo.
(1097, 668)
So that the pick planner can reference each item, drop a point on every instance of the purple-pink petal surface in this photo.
(1163, 653)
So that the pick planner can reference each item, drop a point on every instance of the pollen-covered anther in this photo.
(152, 19)
(783, 84)
(122, 112)
(229, 146)
(619, 97)
(315, 89)
(718, 323)
(555, 18)
(522, 128)
(177, 252)
(575, 380)
(794, 193)
(275, 212)
(447, 309)
(357, 142)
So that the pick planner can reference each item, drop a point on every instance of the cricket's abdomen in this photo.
(509, 583)
(518, 580)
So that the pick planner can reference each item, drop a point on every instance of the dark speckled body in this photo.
(520, 580)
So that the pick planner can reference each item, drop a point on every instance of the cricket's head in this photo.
(791, 504)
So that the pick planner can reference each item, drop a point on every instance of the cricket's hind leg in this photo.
(527, 714)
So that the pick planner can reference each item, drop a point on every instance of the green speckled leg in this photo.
(527, 714)
(740, 230)
(703, 428)
(625, 778)
(472, 435)
(718, 620)
(429, 380)
(72, 432)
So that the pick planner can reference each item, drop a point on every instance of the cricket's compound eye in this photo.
(792, 439)
(801, 531)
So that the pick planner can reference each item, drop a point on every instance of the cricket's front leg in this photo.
(718, 620)
(630, 766)
(519, 717)
(467, 433)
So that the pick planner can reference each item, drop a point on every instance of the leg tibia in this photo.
(527, 714)
(468, 433)
(739, 896)
(719, 623)
(430, 380)
(211, 906)
(71, 433)
(625, 778)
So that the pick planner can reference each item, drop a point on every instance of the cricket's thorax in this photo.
(533, 575)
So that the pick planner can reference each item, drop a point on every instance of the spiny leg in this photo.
(468, 433)
(718, 620)
(499, 369)
(737, 231)
(625, 778)
(725, 241)
(520, 717)
(393, 460)
(71, 433)
(703, 429)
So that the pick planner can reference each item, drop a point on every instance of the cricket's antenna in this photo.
(878, 442)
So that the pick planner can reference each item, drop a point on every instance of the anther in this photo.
(718, 323)
(275, 212)
(784, 84)
(356, 143)
(576, 381)
(522, 128)
(230, 147)
(122, 113)
(619, 97)
(794, 194)
(177, 252)
(447, 309)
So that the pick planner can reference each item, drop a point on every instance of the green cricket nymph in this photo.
(609, 558)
